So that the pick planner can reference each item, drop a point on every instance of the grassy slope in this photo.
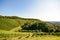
(8, 24)
(13, 24)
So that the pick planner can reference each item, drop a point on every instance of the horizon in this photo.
(31, 18)
(46, 10)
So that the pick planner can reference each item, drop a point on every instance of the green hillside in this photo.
(14, 23)
(8, 24)
(11, 22)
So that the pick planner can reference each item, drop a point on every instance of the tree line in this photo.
(41, 27)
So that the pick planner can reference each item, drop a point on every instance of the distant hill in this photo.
(57, 23)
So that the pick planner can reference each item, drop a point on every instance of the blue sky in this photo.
(47, 10)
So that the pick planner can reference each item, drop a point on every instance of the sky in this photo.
(46, 10)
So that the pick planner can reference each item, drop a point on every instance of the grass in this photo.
(46, 37)
(8, 24)
(15, 29)
(9, 35)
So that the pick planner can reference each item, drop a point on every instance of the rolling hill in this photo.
(14, 23)
(11, 22)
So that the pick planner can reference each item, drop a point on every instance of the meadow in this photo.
(16, 28)
(44, 37)
(9, 35)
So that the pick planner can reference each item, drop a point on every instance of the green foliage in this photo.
(37, 26)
